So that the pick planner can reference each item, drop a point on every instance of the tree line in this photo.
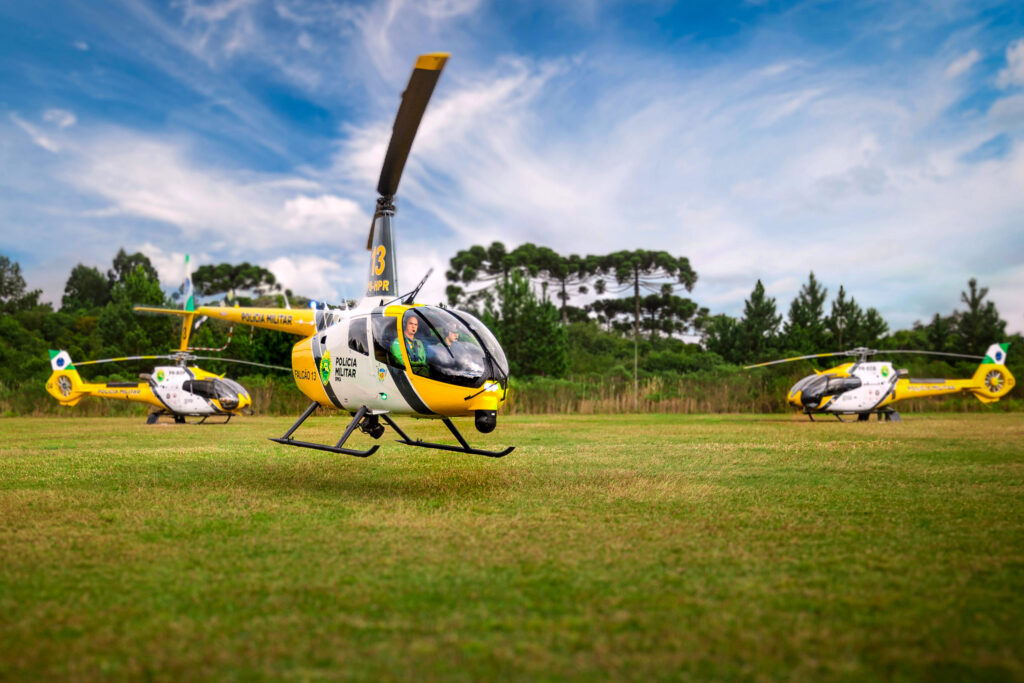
(526, 296)
(623, 314)
(95, 317)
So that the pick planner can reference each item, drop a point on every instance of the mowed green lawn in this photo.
(632, 547)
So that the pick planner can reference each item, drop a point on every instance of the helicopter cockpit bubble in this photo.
(216, 389)
(235, 386)
(826, 385)
(454, 354)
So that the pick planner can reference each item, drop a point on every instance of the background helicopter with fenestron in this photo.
(861, 388)
(388, 356)
(177, 391)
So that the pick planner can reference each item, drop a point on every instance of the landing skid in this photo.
(886, 414)
(464, 448)
(154, 418)
(205, 417)
(287, 439)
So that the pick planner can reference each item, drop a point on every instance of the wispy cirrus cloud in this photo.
(1013, 74)
(962, 64)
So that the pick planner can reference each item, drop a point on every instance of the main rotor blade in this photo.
(930, 353)
(864, 352)
(790, 360)
(117, 360)
(407, 121)
(243, 362)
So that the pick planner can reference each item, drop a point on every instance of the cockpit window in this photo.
(357, 336)
(802, 384)
(385, 332)
(235, 386)
(838, 385)
(816, 387)
(490, 343)
(442, 347)
(213, 388)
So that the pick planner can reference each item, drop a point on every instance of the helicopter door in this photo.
(352, 365)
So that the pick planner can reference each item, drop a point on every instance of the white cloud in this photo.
(213, 12)
(80, 45)
(1013, 74)
(1008, 112)
(147, 179)
(317, 277)
(962, 64)
(36, 135)
(169, 264)
(60, 117)
(324, 215)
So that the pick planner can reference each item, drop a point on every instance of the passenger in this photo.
(451, 338)
(417, 354)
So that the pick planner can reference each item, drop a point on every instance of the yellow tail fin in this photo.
(992, 380)
(65, 384)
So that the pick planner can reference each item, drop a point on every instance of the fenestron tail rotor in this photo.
(862, 354)
(383, 280)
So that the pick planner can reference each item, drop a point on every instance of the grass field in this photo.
(635, 547)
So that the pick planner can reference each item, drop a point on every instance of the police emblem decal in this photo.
(325, 367)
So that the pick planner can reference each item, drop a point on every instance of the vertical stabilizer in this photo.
(65, 384)
(188, 305)
(996, 354)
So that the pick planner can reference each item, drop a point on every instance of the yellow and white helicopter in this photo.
(861, 388)
(178, 391)
(388, 356)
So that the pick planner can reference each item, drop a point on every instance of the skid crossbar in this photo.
(287, 439)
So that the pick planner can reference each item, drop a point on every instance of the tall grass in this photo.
(718, 391)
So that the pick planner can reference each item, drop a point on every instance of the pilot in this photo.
(417, 354)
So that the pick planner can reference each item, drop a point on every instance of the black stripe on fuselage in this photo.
(318, 353)
(408, 392)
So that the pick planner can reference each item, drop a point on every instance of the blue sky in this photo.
(877, 143)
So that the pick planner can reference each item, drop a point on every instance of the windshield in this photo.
(213, 388)
(824, 385)
(802, 384)
(236, 387)
(488, 340)
(442, 347)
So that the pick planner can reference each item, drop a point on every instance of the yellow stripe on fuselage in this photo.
(906, 388)
(140, 393)
(300, 321)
